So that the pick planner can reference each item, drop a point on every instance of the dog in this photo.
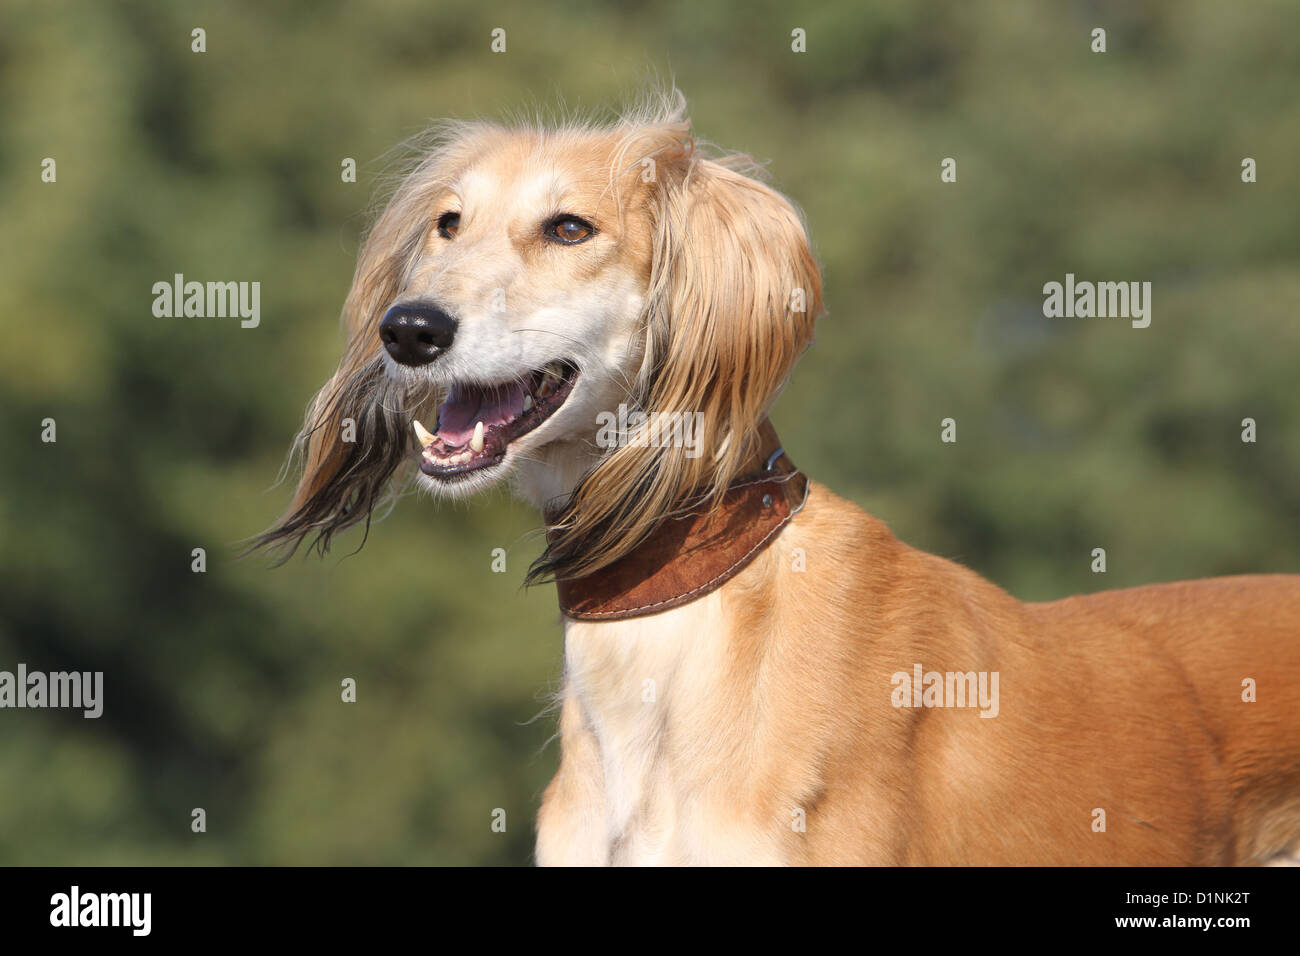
(757, 671)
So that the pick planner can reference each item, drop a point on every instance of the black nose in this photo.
(416, 333)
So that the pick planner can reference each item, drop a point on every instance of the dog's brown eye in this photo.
(448, 223)
(569, 230)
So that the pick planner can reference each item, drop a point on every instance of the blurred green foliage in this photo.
(223, 688)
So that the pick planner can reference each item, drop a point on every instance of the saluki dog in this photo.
(756, 671)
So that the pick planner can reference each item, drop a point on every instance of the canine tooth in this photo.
(476, 443)
(528, 401)
(423, 434)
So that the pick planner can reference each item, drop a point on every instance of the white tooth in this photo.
(528, 401)
(423, 434)
(476, 443)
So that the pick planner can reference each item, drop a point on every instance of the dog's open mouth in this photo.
(477, 422)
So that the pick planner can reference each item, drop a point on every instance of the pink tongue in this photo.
(469, 404)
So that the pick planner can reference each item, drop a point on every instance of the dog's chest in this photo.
(655, 695)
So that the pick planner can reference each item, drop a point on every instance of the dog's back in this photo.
(1228, 650)
(1123, 729)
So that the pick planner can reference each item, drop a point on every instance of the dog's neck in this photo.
(553, 472)
(692, 553)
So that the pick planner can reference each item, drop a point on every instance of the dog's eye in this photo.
(569, 230)
(448, 223)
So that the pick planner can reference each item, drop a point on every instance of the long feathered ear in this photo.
(733, 298)
(735, 295)
(357, 430)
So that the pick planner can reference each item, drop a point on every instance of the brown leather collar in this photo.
(687, 556)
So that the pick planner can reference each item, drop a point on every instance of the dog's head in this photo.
(520, 286)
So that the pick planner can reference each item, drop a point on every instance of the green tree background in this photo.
(222, 689)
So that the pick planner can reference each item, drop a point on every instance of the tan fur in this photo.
(773, 695)
(758, 724)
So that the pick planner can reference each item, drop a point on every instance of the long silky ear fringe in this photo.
(354, 477)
